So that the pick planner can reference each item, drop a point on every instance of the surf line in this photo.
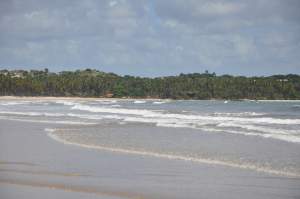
(174, 157)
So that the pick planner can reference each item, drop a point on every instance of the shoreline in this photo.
(150, 99)
(73, 98)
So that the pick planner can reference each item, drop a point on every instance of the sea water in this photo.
(263, 136)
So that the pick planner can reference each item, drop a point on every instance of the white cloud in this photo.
(170, 23)
(179, 48)
(219, 8)
(113, 3)
(245, 47)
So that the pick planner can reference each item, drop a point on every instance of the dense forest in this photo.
(93, 83)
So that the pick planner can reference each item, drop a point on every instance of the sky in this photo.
(152, 37)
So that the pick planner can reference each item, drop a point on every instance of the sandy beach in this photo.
(32, 164)
(159, 99)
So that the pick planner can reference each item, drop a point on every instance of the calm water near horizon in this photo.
(263, 136)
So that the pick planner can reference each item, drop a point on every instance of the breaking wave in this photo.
(247, 123)
(159, 102)
(32, 113)
(160, 114)
(66, 102)
(139, 102)
(14, 103)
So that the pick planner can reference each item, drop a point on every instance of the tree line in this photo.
(94, 83)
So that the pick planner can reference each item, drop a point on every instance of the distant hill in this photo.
(93, 83)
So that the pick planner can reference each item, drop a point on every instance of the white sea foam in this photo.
(245, 129)
(50, 130)
(32, 113)
(240, 114)
(139, 102)
(217, 130)
(160, 114)
(250, 125)
(112, 110)
(278, 100)
(263, 129)
(86, 116)
(66, 102)
(174, 125)
(159, 102)
(14, 103)
(51, 133)
(116, 105)
(106, 101)
(282, 137)
(95, 117)
(288, 138)
(219, 122)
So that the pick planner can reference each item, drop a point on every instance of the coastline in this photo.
(115, 98)
(72, 98)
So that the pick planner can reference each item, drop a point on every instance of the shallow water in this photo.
(263, 136)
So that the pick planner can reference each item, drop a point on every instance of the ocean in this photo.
(261, 136)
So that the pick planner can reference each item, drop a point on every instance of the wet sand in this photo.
(32, 164)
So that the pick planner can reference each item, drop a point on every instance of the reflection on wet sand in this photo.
(44, 173)
(17, 163)
(73, 188)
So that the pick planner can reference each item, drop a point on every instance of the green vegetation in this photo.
(93, 83)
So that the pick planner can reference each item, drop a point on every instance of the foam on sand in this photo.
(282, 136)
(263, 129)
